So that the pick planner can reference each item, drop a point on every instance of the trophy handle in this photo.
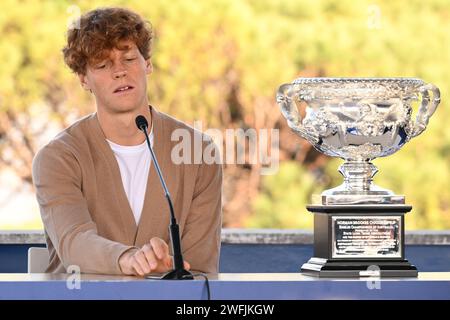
(286, 96)
(427, 108)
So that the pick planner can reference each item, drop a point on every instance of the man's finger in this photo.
(142, 261)
(150, 256)
(136, 266)
(168, 261)
(160, 248)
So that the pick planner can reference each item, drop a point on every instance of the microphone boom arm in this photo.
(178, 273)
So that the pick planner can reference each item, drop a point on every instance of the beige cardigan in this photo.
(87, 217)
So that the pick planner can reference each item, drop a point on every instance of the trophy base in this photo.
(324, 268)
(359, 241)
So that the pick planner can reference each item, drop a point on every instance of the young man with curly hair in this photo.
(100, 199)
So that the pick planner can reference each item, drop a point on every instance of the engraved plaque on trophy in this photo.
(363, 237)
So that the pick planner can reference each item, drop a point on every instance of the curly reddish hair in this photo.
(99, 31)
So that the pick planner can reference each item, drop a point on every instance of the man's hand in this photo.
(152, 257)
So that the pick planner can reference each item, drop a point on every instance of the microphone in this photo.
(178, 273)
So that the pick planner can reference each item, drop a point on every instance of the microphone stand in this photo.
(178, 273)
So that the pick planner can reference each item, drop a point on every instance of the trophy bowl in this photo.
(358, 120)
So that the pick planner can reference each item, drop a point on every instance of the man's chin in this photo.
(126, 107)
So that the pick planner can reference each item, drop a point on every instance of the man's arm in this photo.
(64, 211)
(201, 235)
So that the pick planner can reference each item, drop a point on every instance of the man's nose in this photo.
(119, 73)
(119, 69)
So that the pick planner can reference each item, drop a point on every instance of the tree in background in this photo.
(221, 62)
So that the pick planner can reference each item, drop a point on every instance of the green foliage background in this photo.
(222, 58)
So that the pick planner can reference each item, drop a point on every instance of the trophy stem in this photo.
(358, 187)
(358, 175)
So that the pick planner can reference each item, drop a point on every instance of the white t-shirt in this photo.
(134, 164)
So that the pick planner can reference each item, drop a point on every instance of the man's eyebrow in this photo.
(125, 47)
(105, 57)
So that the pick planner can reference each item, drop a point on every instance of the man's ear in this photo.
(149, 66)
(83, 81)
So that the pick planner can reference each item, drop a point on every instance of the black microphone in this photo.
(178, 273)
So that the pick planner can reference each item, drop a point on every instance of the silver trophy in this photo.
(358, 120)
